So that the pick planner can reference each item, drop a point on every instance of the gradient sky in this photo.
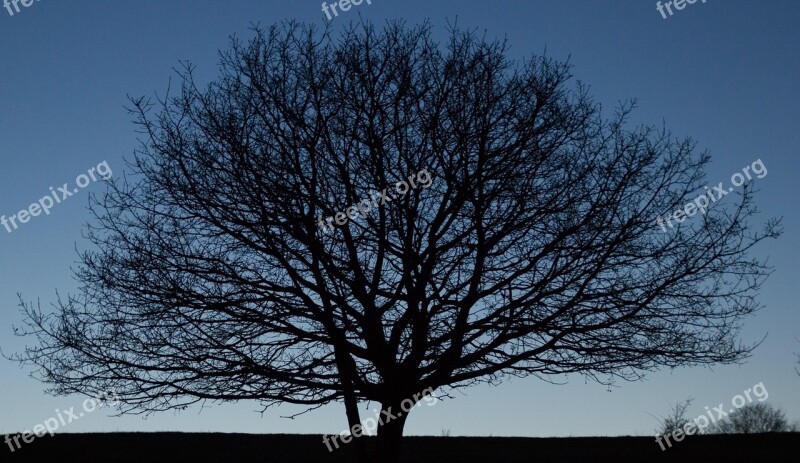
(723, 72)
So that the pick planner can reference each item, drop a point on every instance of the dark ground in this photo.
(181, 447)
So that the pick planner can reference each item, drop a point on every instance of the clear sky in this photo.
(723, 72)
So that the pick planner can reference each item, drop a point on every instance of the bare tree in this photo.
(533, 251)
(676, 418)
(754, 418)
(798, 362)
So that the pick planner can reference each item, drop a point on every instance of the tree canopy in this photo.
(533, 250)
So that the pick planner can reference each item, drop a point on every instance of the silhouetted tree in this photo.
(533, 251)
(676, 418)
(754, 418)
(798, 362)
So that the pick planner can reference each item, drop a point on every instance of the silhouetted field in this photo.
(180, 447)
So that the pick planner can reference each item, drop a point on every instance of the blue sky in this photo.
(723, 72)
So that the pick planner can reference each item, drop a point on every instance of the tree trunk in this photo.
(351, 404)
(390, 433)
(353, 419)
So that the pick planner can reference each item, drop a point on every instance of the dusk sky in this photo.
(722, 72)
